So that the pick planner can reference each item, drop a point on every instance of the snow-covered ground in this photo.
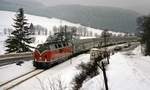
(126, 71)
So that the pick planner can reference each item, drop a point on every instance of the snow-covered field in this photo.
(49, 23)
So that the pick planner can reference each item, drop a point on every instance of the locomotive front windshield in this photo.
(43, 47)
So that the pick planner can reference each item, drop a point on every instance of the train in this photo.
(57, 49)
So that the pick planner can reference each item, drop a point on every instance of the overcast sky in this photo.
(142, 6)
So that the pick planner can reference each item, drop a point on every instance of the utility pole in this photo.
(102, 67)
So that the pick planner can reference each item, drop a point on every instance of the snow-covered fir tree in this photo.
(19, 39)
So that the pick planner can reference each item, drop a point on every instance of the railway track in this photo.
(18, 80)
(14, 57)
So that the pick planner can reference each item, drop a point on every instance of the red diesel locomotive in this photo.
(48, 54)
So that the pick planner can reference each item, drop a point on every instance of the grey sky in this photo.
(142, 6)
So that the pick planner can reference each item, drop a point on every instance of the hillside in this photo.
(115, 19)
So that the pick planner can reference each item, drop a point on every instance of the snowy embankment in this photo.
(126, 71)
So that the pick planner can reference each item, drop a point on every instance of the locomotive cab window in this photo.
(59, 45)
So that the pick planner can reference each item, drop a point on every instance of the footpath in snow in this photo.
(127, 71)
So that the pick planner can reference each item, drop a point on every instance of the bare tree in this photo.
(54, 84)
(144, 32)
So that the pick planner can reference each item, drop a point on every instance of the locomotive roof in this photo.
(97, 49)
